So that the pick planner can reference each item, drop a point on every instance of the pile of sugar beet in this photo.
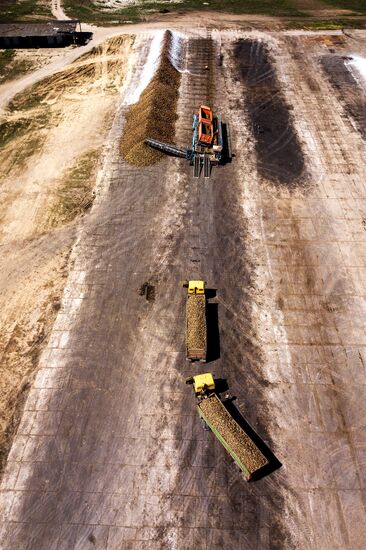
(154, 115)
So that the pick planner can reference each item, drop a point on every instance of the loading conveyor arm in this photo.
(167, 148)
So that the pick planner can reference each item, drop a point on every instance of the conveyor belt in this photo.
(167, 148)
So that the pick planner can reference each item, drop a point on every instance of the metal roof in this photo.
(38, 28)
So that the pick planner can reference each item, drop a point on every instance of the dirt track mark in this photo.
(279, 155)
(213, 246)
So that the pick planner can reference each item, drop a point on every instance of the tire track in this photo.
(212, 246)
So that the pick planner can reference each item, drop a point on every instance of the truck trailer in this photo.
(217, 418)
(196, 324)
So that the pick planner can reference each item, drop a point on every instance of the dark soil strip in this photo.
(348, 91)
(279, 155)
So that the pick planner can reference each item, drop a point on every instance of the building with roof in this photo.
(42, 34)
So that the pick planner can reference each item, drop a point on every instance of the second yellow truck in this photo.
(215, 415)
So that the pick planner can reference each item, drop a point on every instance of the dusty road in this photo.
(110, 452)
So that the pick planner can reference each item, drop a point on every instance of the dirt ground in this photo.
(110, 452)
(46, 140)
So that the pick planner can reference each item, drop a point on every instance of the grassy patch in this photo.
(31, 140)
(22, 132)
(29, 99)
(89, 12)
(358, 6)
(11, 67)
(23, 129)
(75, 194)
(29, 147)
(16, 69)
(12, 129)
(6, 59)
(15, 10)
(265, 7)
(326, 25)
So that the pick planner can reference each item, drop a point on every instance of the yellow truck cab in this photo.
(203, 382)
(196, 287)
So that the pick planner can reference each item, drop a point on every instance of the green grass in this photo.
(31, 97)
(28, 125)
(24, 101)
(12, 129)
(17, 69)
(6, 59)
(15, 10)
(86, 11)
(10, 67)
(18, 157)
(326, 25)
(32, 136)
(358, 6)
(265, 7)
(29, 147)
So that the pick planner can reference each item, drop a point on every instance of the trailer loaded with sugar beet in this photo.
(217, 418)
(196, 325)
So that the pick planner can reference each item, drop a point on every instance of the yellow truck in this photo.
(196, 325)
(215, 415)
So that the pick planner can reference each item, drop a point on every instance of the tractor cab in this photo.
(196, 287)
(202, 383)
(205, 114)
(205, 126)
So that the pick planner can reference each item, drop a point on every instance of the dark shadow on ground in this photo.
(221, 385)
(212, 320)
(62, 40)
(226, 156)
(210, 293)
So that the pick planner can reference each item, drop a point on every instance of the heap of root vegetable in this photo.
(154, 115)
